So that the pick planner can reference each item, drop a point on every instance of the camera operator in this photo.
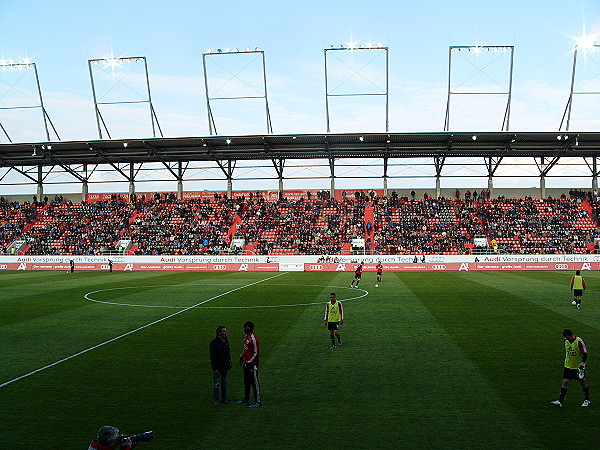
(109, 438)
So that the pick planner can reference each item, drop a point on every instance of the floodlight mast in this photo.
(508, 93)
(353, 47)
(212, 126)
(27, 64)
(114, 62)
(566, 118)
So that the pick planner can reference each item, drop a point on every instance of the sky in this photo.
(61, 36)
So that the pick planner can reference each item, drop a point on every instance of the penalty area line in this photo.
(33, 372)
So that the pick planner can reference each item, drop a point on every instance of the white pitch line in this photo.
(133, 331)
(87, 297)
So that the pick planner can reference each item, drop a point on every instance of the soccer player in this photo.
(250, 359)
(357, 274)
(578, 286)
(379, 272)
(334, 316)
(576, 356)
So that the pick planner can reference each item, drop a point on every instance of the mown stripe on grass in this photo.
(398, 380)
(514, 340)
(22, 349)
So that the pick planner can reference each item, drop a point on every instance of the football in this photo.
(376, 285)
(573, 303)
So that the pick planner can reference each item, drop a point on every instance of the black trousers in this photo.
(251, 381)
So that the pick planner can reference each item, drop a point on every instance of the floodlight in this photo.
(586, 42)
(49, 147)
(559, 137)
(227, 50)
(228, 141)
(247, 49)
(209, 50)
(379, 44)
(361, 139)
(474, 137)
(369, 44)
(125, 144)
(2, 62)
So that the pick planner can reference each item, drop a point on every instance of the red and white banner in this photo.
(251, 264)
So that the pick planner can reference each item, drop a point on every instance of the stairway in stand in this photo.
(369, 228)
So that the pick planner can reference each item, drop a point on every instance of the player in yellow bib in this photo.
(575, 359)
(577, 286)
(334, 317)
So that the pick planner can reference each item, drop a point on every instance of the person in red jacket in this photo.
(379, 273)
(249, 359)
(357, 274)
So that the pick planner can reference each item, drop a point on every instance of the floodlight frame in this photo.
(508, 93)
(99, 119)
(45, 117)
(212, 126)
(386, 93)
(572, 92)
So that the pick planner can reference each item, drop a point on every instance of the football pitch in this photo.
(437, 359)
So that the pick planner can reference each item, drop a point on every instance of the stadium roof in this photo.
(303, 146)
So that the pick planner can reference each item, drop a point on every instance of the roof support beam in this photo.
(156, 153)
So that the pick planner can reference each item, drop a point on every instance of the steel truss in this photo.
(476, 49)
(566, 119)
(352, 47)
(207, 57)
(301, 160)
(118, 63)
(9, 65)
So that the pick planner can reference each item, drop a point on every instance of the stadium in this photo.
(121, 255)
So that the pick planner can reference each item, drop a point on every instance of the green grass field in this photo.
(438, 360)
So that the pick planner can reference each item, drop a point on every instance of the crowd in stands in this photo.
(314, 225)
(306, 227)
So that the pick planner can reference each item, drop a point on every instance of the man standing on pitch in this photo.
(357, 274)
(249, 359)
(578, 286)
(334, 316)
(379, 273)
(220, 360)
(576, 356)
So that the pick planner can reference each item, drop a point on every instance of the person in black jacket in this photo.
(220, 359)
